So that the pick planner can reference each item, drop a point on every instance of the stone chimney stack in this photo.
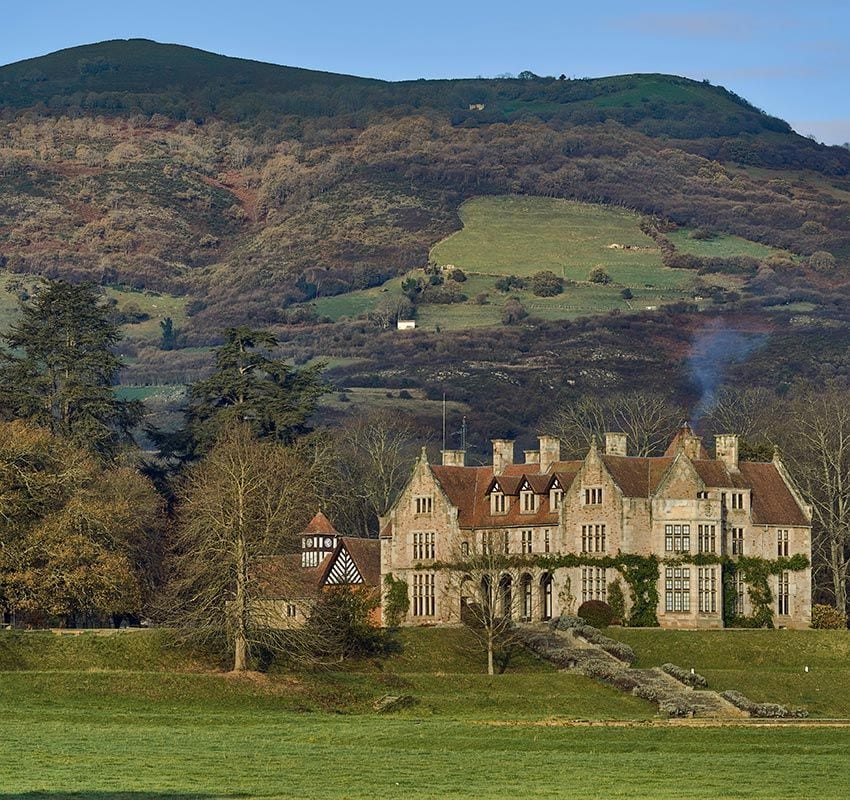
(726, 449)
(503, 454)
(616, 444)
(550, 451)
(531, 456)
(454, 458)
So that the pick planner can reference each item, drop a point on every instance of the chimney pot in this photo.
(454, 458)
(550, 451)
(616, 444)
(503, 454)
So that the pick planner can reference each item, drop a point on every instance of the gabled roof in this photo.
(283, 578)
(353, 561)
(467, 489)
(320, 524)
(773, 503)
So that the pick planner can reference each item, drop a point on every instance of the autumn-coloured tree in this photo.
(77, 538)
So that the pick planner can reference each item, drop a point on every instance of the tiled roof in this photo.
(773, 503)
(283, 577)
(320, 524)
(637, 477)
(366, 555)
(467, 487)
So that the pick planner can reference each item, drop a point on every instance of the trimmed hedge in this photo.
(692, 679)
(763, 710)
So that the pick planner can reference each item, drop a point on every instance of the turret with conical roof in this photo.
(318, 539)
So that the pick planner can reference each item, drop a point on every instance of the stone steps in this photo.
(568, 651)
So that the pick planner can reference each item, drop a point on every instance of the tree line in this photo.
(93, 529)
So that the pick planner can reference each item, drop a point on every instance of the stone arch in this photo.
(547, 591)
(526, 597)
(506, 596)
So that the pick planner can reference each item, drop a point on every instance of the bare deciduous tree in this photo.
(816, 447)
(493, 592)
(648, 419)
(247, 499)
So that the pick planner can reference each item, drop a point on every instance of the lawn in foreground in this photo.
(177, 744)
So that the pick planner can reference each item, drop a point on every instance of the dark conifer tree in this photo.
(60, 369)
(249, 385)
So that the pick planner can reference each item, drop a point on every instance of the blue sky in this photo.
(790, 58)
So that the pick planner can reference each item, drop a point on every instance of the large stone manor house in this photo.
(676, 506)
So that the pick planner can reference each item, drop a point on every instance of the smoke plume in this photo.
(715, 348)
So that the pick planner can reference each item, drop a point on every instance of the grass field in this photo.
(768, 666)
(158, 306)
(128, 717)
(513, 235)
(722, 245)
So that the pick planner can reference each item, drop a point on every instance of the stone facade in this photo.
(676, 507)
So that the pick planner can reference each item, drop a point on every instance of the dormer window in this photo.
(527, 499)
(498, 503)
(556, 497)
(593, 496)
(423, 504)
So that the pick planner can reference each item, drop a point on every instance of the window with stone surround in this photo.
(737, 500)
(707, 589)
(737, 541)
(498, 503)
(593, 539)
(527, 539)
(738, 586)
(677, 538)
(291, 610)
(782, 543)
(547, 540)
(782, 594)
(556, 497)
(594, 584)
(423, 594)
(527, 501)
(677, 589)
(423, 544)
(423, 504)
(706, 537)
(593, 496)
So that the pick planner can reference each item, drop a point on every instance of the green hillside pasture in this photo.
(523, 235)
(766, 665)
(722, 245)
(157, 306)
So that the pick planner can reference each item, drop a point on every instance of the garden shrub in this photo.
(826, 617)
(596, 613)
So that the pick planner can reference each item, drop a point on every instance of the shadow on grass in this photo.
(109, 795)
